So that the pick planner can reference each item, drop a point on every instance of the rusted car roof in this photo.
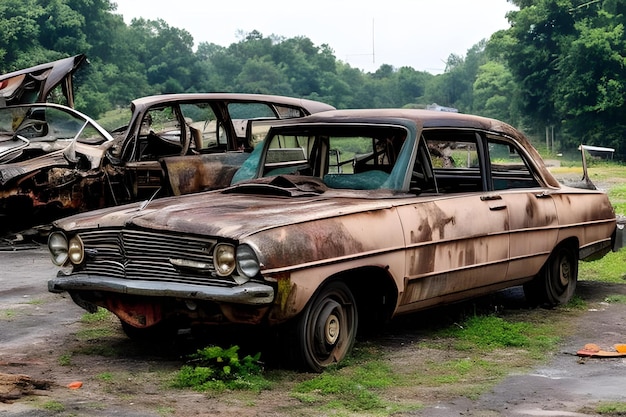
(311, 105)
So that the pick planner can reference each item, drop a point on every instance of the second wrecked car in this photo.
(55, 161)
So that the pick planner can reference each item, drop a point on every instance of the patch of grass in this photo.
(609, 269)
(53, 406)
(576, 303)
(355, 389)
(94, 333)
(216, 369)
(165, 411)
(65, 359)
(616, 299)
(611, 409)
(7, 314)
(617, 196)
(480, 351)
(105, 377)
(486, 333)
(97, 317)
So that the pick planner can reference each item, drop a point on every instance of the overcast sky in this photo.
(365, 34)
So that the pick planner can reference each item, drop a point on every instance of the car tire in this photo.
(326, 329)
(556, 283)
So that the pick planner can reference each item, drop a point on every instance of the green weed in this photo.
(65, 359)
(99, 316)
(53, 406)
(8, 314)
(216, 369)
(105, 377)
(611, 409)
(616, 299)
(354, 389)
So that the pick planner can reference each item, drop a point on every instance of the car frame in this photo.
(173, 144)
(340, 218)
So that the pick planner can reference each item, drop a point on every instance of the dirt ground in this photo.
(38, 330)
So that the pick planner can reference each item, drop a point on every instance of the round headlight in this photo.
(247, 261)
(75, 251)
(58, 247)
(224, 259)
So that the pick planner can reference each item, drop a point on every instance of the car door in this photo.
(533, 222)
(456, 230)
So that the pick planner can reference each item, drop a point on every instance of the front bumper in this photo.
(250, 293)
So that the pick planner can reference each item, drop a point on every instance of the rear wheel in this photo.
(326, 329)
(557, 280)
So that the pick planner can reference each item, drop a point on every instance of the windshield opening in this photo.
(343, 157)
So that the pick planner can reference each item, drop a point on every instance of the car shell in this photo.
(49, 170)
(445, 207)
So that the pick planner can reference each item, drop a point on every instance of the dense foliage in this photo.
(558, 70)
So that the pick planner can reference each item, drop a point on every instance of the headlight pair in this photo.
(227, 259)
(62, 249)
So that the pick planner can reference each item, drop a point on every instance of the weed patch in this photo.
(486, 333)
(53, 406)
(355, 389)
(97, 317)
(216, 369)
(616, 299)
(611, 409)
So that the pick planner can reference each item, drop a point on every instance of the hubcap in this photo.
(564, 273)
(331, 329)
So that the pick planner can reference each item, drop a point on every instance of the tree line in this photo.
(557, 73)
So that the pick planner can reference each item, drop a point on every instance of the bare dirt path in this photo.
(40, 337)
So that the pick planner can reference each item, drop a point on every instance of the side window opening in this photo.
(455, 160)
(161, 134)
(203, 127)
(509, 169)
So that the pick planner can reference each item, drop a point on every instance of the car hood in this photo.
(34, 84)
(233, 213)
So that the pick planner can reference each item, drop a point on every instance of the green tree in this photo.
(495, 93)
(568, 57)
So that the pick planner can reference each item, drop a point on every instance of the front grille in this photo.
(141, 255)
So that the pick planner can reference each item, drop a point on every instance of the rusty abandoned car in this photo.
(340, 218)
(55, 161)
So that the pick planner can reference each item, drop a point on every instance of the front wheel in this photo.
(326, 329)
(557, 280)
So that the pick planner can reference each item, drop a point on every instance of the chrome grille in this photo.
(136, 254)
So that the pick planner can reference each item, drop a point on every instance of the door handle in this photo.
(490, 197)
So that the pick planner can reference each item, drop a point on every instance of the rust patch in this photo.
(137, 314)
(309, 242)
(242, 314)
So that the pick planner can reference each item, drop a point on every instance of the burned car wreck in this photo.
(56, 161)
(340, 218)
